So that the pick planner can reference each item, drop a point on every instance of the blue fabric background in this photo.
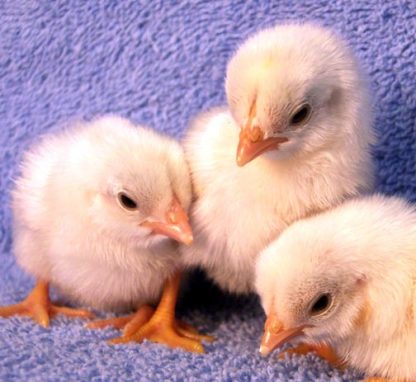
(159, 63)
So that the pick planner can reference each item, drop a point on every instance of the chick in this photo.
(95, 209)
(346, 278)
(300, 122)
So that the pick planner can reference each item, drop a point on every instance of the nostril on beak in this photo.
(255, 134)
(172, 218)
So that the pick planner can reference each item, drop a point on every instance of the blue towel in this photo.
(159, 63)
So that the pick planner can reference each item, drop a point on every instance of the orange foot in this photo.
(38, 306)
(165, 330)
(130, 324)
(158, 326)
(376, 379)
(323, 351)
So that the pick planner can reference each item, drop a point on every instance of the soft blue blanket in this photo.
(159, 63)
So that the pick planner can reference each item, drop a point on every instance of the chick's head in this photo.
(137, 182)
(307, 289)
(290, 89)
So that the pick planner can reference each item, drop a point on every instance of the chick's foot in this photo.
(166, 330)
(38, 306)
(323, 351)
(163, 328)
(130, 324)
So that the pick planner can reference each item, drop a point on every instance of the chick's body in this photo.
(69, 229)
(362, 256)
(239, 210)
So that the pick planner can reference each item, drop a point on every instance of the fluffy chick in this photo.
(300, 121)
(347, 278)
(93, 210)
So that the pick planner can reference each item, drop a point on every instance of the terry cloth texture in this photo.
(159, 63)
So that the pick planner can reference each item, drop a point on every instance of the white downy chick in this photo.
(93, 208)
(346, 278)
(96, 208)
(300, 100)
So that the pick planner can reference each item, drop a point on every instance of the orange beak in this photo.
(252, 142)
(176, 225)
(274, 335)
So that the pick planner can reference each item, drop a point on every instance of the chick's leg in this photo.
(38, 306)
(323, 351)
(163, 327)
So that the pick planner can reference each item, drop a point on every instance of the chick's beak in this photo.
(176, 224)
(275, 335)
(252, 143)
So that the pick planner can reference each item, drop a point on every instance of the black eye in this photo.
(126, 202)
(321, 304)
(301, 114)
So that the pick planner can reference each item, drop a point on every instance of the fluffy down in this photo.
(69, 227)
(362, 255)
(326, 157)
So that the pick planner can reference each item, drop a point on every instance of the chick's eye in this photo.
(126, 201)
(321, 304)
(301, 114)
